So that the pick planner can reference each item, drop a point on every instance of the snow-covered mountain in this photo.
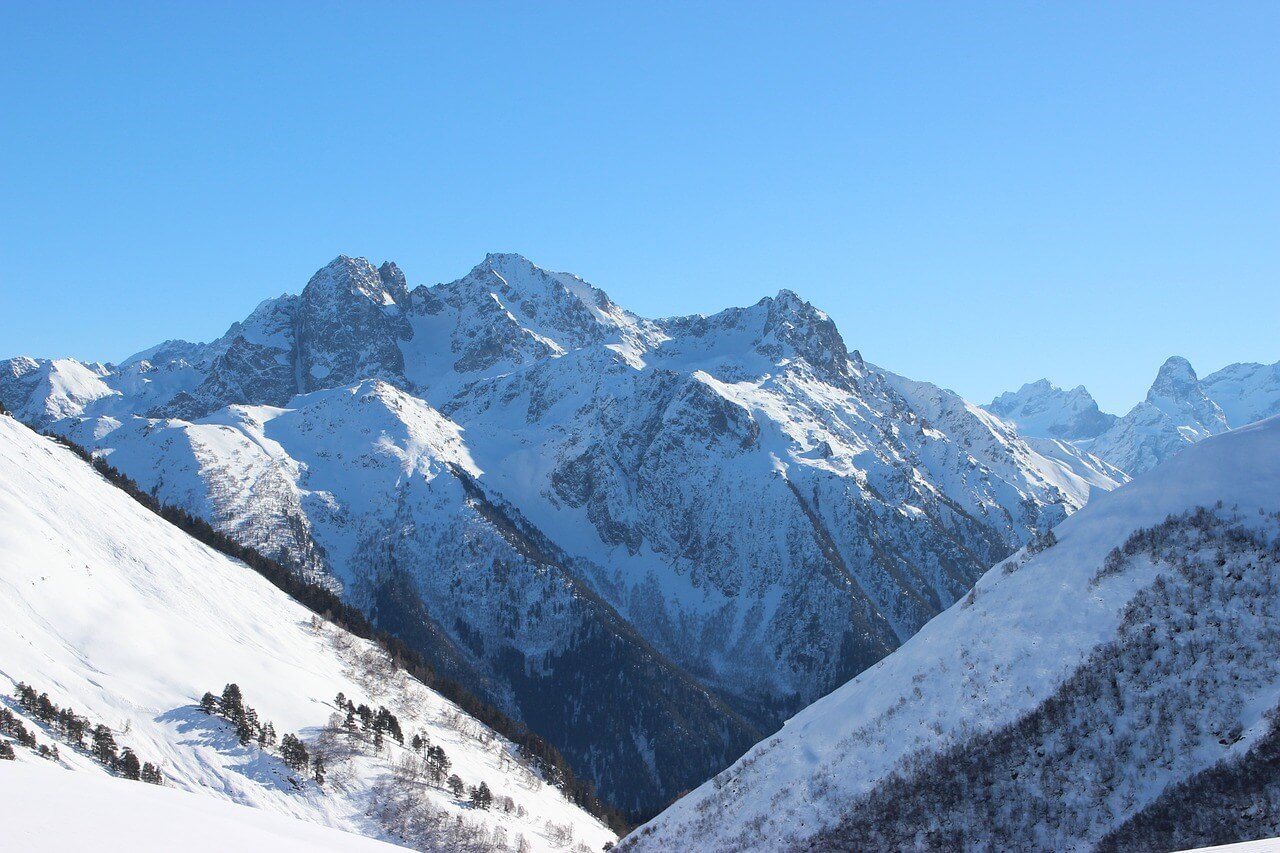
(1245, 392)
(650, 540)
(1179, 410)
(1043, 410)
(1176, 412)
(1116, 690)
(115, 613)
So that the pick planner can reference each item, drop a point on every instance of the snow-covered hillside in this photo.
(650, 540)
(1116, 690)
(56, 811)
(117, 614)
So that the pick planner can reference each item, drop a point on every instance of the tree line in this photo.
(73, 729)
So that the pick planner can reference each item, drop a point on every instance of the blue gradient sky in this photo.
(979, 194)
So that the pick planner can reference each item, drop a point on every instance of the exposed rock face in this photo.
(649, 539)
(349, 325)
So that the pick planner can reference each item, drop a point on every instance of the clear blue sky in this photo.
(980, 194)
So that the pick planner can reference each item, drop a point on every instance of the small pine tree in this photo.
(209, 703)
(456, 785)
(340, 700)
(104, 745)
(232, 704)
(128, 765)
(437, 763)
(481, 796)
(6, 751)
(151, 774)
(294, 753)
(317, 768)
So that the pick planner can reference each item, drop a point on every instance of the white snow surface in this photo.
(126, 619)
(975, 667)
(54, 810)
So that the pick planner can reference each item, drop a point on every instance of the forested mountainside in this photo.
(1112, 687)
(650, 540)
(129, 649)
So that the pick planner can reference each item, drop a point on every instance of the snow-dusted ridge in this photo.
(114, 612)
(957, 739)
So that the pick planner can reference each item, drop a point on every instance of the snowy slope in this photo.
(983, 730)
(116, 613)
(61, 812)
(735, 512)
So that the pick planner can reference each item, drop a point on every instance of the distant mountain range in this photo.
(649, 540)
(1180, 409)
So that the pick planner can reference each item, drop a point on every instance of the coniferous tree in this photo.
(350, 722)
(481, 796)
(294, 753)
(437, 763)
(209, 703)
(317, 768)
(151, 774)
(128, 765)
(232, 702)
(6, 751)
(104, 745)
(456, 786)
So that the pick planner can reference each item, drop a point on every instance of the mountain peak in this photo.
(796, 322)
(345, 276)
(1176, 379)
(507, 265)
